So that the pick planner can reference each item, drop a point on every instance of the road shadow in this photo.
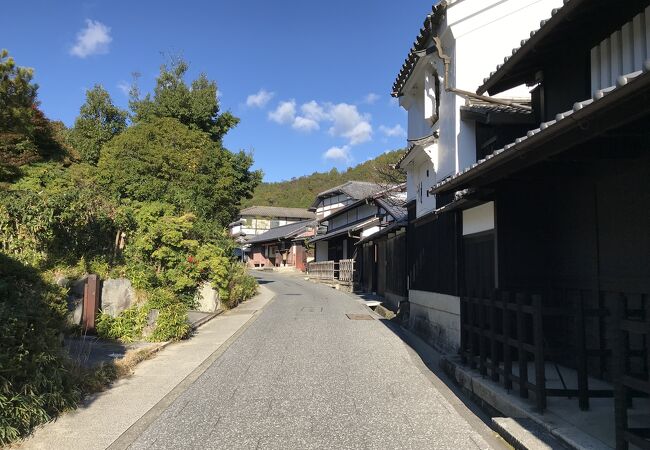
(428, 360)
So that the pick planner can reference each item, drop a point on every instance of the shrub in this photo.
(238, 286)
(35, 382)
(128, 326)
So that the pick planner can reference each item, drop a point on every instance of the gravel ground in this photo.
(303, 375)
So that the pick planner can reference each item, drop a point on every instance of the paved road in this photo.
(303, 375)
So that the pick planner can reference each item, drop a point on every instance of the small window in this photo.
(427, 173)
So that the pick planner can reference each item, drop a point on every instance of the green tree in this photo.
(195, 106)
(98, 122)
(164, 160)
(26, 135)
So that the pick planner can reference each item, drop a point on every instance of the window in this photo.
(431, 94)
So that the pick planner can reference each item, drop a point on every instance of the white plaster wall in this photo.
(477, 35)
(369, 231)
(486, 31)
(437, 316)
(476, 220)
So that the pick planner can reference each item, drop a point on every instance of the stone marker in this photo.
(117, 295)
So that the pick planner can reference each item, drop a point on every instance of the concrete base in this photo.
(436, 318)
(563, 419)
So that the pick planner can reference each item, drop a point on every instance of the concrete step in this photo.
(525, 434)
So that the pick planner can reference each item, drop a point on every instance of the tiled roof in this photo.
(277, 211)
(397, 211)
(384, 231)
(283, 232)
(527, 45)
(432, 21)
(423, 141)
(343, 230)
(624, 83)
(484, 108)
(356, 190)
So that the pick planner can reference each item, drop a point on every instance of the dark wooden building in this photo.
(564, 276)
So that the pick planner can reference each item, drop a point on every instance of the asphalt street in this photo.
(305, 375)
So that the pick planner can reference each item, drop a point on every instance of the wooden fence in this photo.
(517, 328)
(342, 271)
(323, 270)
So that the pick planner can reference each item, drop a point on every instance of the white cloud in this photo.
(345, 119)
(124, 87)
(371, 98)
(92, 40)
(339, 154)
(349, 123)
(396, 131)
(260, 99)
(305, 124)
(312, 110)
(285, 113)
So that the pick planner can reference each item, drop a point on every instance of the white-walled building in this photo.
(257, 220)
(460, 42)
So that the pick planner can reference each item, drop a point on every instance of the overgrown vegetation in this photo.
(300, 192)
(147, 200)
(35, 381)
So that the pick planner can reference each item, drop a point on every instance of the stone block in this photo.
(75, 309)
(117, 295)
(207, 298)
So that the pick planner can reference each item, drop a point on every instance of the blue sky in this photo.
(309, 80)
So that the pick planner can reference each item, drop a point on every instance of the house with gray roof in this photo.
(283, 246)
(256, 220)
(333, 199)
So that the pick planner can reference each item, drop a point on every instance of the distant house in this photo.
(282, 246)
(341, 230)
(256, 220)
(338, 197)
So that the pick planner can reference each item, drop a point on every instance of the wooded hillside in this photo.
(300, 192)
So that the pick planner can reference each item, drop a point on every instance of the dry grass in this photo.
(99, 378)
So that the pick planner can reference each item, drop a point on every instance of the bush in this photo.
(238, 286)
(35, 381)
(130, 325)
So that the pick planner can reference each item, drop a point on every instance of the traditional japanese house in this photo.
(557, 281)
(341, 230)
(382, 267)
(283, 246)
(331, 200)
(445, 120)
(256, 220)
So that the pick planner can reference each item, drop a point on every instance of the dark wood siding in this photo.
(433, 254)
(396, 265)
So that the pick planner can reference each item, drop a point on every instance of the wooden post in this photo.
(463, 330)
(620, 391)
(482, 344)
(540, 363)
(583, 386)
(494, 347)
(90, 303)
(521, 338)
(507, 350)
(471, 331)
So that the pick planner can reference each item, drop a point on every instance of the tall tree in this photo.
(26, 135)
(98, 122)
(164, 160)
(196, 105)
